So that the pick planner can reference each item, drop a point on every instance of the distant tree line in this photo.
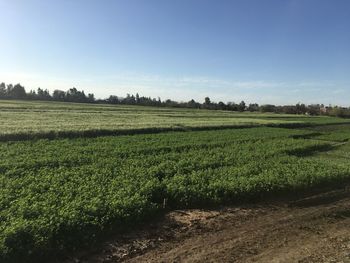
(18, 92)
(73, 95)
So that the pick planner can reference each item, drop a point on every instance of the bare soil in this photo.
(312, 229)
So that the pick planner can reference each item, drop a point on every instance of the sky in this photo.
(264, 51)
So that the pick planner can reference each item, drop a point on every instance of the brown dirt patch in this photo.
(313, 229)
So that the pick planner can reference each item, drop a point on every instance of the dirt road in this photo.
(313, 229)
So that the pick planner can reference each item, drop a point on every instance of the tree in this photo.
(2, 90)
(43, 94)
(289, 109)
(268, 108)
(59, 95)
(221, 105)
(301, 108)
(253, 107)
(171, 103)
(241, 106)
(32, 95)
(314, 109)
(193, 104)
(207, 101)
(91, 97)
(9, 89)
(18, 92)
(75, 95)
(113, 99)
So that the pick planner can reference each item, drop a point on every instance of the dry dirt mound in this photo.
(314, 229)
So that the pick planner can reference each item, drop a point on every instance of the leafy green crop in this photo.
(57, 195)
(23, 120)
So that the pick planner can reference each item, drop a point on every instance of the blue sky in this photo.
(265, 51)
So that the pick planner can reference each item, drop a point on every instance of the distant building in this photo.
(325, 109)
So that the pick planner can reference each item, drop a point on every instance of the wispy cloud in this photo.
(191, 81)
(338, 91)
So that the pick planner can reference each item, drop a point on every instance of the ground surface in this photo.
(312, 229)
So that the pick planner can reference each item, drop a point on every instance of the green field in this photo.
(27, 120)
(58, 195)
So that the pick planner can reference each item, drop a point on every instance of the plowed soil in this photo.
(312, 229)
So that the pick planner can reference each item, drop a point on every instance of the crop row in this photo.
(33, 120)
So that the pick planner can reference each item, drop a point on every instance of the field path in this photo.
(315, 229)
